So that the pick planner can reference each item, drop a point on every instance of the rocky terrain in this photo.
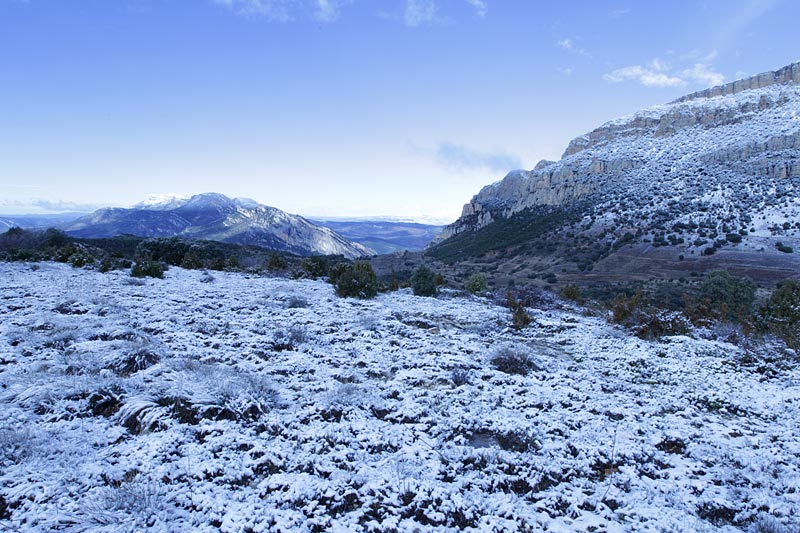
(216, 217)
(715, 171)
(242, 403)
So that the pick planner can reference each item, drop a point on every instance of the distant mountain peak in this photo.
(162, 201)
(214, 216)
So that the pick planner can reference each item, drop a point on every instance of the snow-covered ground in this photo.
(245, 403)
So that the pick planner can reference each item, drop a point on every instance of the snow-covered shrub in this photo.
(233, 395)
(654, 323)
(147, 268)
(131, 506)
(459, 376)
(296, 302)
(514, 359)
(16, 444)
(766, 524)
(289, 339)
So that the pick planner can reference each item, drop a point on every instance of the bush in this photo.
(728, 297)
(277, 262)
(423, 281)
(314, 267)
(356, 281)
(512, 359)
(147, 268)
(781, 314)
(572, 292)
(519, 315)
(476, 283)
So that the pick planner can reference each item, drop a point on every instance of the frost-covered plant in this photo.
(16, 444)
(147, 268)
(766, 524)
(233, 394)
(514, 359)
(296, 302)
(131, 506)
(459, 376)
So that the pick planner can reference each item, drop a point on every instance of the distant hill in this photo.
(710, 180)
(213, 216)
(37, 221)
(385, 236)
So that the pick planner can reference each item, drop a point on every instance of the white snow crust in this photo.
(268, 404)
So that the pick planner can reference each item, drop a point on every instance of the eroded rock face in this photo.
(748, 129)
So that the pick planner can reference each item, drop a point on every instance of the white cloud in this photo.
(420, 12)
(328, 10)
(570, 45)
(566, 71)
(462, 158)
(277, 10)
(646, 75)
(617, 13)
(481, 7)
(703, 75)
(658, 73)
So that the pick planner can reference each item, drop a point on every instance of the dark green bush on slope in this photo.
(423, 281)
(355, 280)
(781, 314)
(727, 296)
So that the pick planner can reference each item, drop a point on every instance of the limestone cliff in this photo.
(741, 136)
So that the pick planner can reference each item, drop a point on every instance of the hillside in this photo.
(384, 236)
(712, 178)
(216, 217)
(243, 403)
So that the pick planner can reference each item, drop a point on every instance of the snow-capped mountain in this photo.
(717, 170)
(216, 217)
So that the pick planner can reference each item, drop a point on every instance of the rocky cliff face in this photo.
(739, 138)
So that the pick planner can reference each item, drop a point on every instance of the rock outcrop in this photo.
(736, 135)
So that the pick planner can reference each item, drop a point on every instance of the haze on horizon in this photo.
(340, 108)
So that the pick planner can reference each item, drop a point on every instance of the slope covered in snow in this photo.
(245, 403)
(713, 169)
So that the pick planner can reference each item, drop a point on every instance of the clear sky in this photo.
(341, 107)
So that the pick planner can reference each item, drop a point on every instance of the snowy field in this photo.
(245, 403)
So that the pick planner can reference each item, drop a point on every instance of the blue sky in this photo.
(341, 107)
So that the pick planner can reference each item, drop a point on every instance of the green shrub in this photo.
(191, 261)
(781, 313)
(277, 262)
(729, 297)
(423, 281)
(355, 280)
(476, 283)
(314, 267)
(572, 292)
(147, 268)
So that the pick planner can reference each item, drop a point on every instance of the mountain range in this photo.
(710, 179)
(213, 216)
